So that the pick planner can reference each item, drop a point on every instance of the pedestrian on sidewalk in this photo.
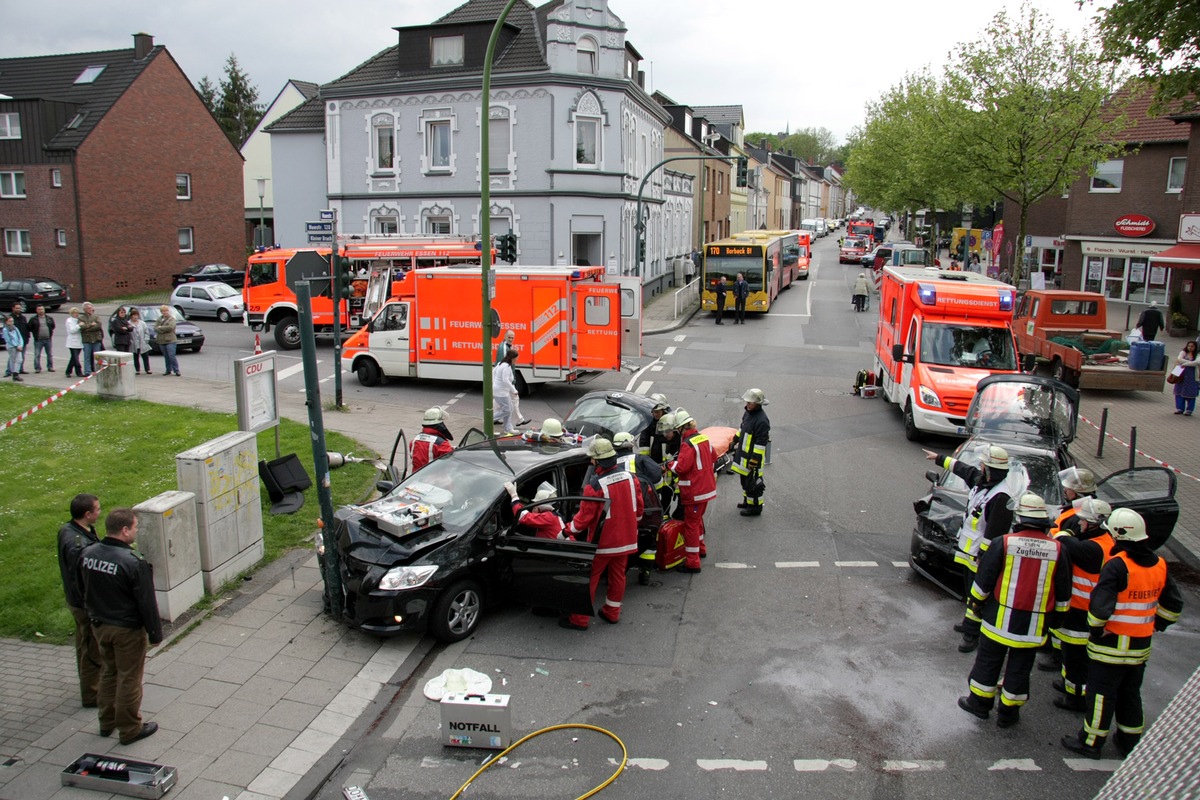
(1186, 388)
(91, 332)
(164, 329)
(74, 344)
(73, 537)
(504, 392)
(41, 331)
(741, 290)
(1151, 321)
(13, 343)
(720, 289)
(121, 331)
(118, 592)
(22, 323)
(139, 341)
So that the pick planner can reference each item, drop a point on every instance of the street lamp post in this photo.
(260, 239)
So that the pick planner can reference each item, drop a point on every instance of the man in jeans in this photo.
(22, 324)
(91, 331)
(741, 290)
(41, 331)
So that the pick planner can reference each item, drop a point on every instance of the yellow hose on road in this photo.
(567, 726)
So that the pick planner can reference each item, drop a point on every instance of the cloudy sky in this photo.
(797, 63)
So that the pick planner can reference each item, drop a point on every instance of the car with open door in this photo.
(442, 546)
(1034, 419)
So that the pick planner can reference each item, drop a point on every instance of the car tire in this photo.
(911, 431)
(287, 333)
(223, 315)
(456, 612)
(367, 372)
(182, 313)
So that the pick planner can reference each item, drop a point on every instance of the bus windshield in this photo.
(730, 266)
(967, 346)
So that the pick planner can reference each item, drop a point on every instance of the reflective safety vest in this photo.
(1019, 587)
(625, 508)
(1083, 582)
(1137, 604)
(970, 533)
(426, 447)
(694, 466)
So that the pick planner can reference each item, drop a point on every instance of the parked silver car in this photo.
(208, 299)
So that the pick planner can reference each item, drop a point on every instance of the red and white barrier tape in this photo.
(52, 398)
(1142, 453)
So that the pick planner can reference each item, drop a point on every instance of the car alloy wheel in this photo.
(457, 612)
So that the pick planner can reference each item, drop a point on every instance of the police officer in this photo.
(697, 485)
(618, 538)
(986, 518)
(1133, 598)
(1087, 549)
(72, 539)
(118, 592)
(751, 454)
(1023, 577)
(433, 441)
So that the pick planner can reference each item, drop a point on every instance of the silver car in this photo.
(208, 299)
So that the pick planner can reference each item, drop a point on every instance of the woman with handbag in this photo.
(1184, 379)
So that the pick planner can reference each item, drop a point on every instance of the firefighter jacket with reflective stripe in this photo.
(1087, 557)
(1133, 597)
(428, 445)
(694, 467)
(752, 442)
(987, 515)
(1022, 577)
(621, 489)
(1066, 522)
(642, 466)
(118, 587)
(543, 522)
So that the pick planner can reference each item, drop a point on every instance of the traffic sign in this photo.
(320, 238)
(328, 214)
(318, 227)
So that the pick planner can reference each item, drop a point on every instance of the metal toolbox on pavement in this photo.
(117, 775)
(476, 720)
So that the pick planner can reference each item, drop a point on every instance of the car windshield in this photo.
(1041, 468)
(967, 346)
(462, 490)
(600, 415)
(151, 313)
(223, 290)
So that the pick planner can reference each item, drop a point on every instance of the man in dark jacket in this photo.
(41, 336)
(72, 539)
(751, 455)
(720, 288)
(741, 290)
(118, 592)
(1151, 321)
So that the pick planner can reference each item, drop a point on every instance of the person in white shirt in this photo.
(504, 394)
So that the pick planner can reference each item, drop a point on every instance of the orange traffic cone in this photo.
(257, 346)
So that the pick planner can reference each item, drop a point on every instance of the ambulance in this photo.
(426, 323)
(940, 333)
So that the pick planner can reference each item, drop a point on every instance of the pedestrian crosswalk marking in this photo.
(1090, 765)
(796, 564)
(670, 351)
(681, 337)
(822, 765)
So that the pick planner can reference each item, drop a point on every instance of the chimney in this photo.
(642, 78)
(143, 43)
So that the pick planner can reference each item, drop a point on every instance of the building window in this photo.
(10, 126)
(16, 242)
(1107, 177)
(437, 144)
(447, 51)
(12, 184)
(60, 236)
(384, 127)
(90, 74)
(720, 183)
(585, 51)
(499, 139)
(587, 142)
(437, 225)
(56, 178)
(186, 241)
(183, 186)
(77, 120)
(386, 225)
(1175, 174)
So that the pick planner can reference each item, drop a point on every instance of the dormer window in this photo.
(77, 120)
(90, 74)
(585, 52)
(448, 51)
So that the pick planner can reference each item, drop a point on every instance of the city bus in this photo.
(768, 260)
(269, 292)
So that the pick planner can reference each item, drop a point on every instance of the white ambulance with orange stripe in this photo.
(567, 321)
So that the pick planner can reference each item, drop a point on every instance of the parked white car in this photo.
(208, 299)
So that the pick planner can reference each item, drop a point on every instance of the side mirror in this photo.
(383, 487)
(932, 476)
(1029, 362)
(897, 352)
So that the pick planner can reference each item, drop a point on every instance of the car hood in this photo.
(361, 538)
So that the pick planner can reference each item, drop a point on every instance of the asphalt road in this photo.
(805, 660)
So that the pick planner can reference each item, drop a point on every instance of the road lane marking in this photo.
(681, 337)
(454, 399)
(732, 565)
(1019, 764)
(710, 764)
(903, 765)
(899, 563)
(855, 564)
(638, 374)
(1088, 765)
(670, 351)
(644, 387)
(821, 764)
(796, 564)
(655, 764)
(656, 368)
(284, 374)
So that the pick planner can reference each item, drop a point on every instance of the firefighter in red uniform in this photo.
(433, 441)
(1133, 598)
(618, 538)
(1023, 577)
(1087, 550)
(542, 520)
(697, 485)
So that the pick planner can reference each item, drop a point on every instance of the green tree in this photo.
(1041, 110)
(234, 103)
(1163, 38)
(208, 93)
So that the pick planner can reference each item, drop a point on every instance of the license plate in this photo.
(960, 430)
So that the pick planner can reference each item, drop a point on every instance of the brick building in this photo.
(113, 174)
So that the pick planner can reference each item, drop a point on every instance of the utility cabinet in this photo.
(223, 474)
(168, 538)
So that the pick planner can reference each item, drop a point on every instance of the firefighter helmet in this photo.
(1031, 507)
(666, 423)
(622, 439)
(1093, 510)
(755, 396)
(433, 416)
(545, 491)
(660, 402)
(601, 449)
(1126, 525)
(551, 427)
(683, 419)
(996, 457)
(1078, 480)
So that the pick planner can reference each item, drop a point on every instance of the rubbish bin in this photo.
(1139, 355)
(1158, 356)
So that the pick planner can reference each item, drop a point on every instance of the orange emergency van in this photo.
(567, 321)
(940, 333)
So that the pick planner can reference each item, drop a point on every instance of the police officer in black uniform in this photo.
(750, 455)
(118, 592)
(72, 539)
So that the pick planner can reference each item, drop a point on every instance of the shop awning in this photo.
(1181, 256)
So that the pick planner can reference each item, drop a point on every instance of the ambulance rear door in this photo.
(631, 315)
(548, 330)
(596, 326)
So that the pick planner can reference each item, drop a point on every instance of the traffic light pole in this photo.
(640, 224)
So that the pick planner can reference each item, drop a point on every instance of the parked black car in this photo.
(32, 292)
(188, 334)
(442, 547)
(1034, 419)
(211, 272)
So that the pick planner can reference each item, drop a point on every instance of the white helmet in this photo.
(666, 423)
(660, 402)
(683, 419)
(622, 439)
(996, 457)
(1031, 507)
(755, 396)
(1093, 509)
(1078, 479)
(1126, 525)
(551, 427)
(433, 416)
(544, 492)
(601, 449)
